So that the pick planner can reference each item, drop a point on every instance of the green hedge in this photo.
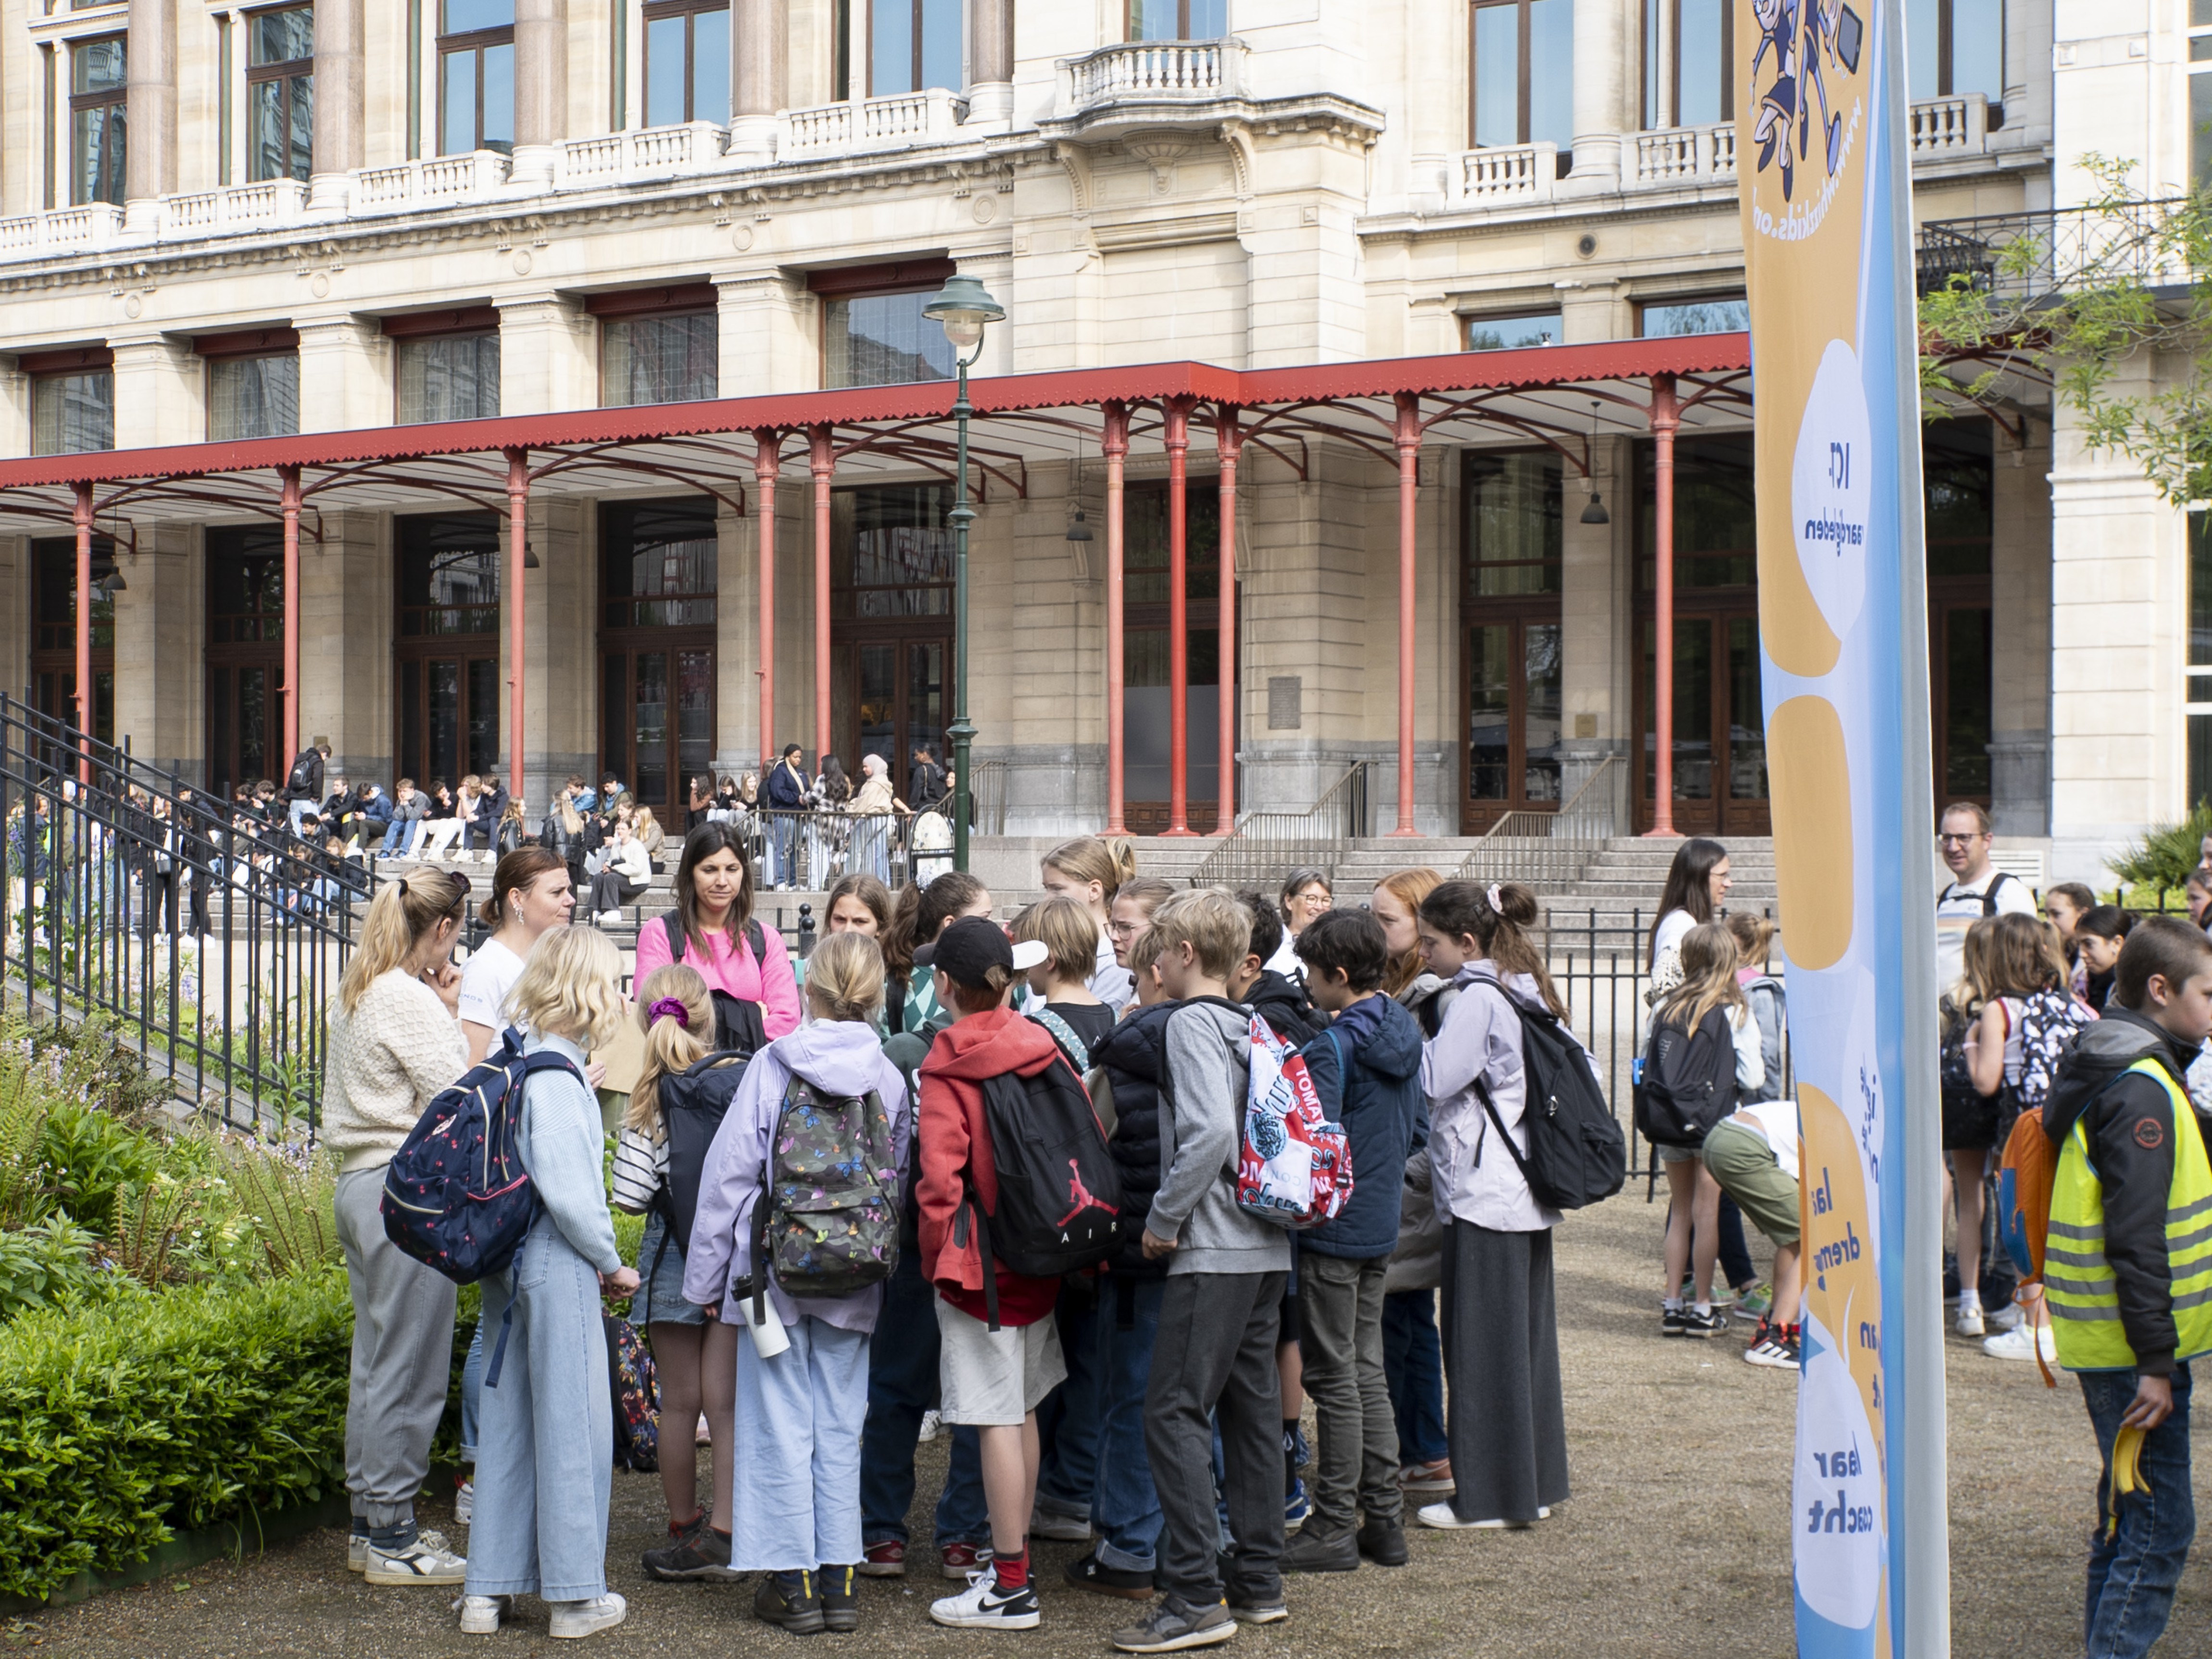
(123, 1423)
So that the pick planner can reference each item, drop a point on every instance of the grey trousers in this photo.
(1507, 1423)
(403, 1357)
(1356, 1464)
(1216, 1352)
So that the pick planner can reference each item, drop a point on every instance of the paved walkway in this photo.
(1674, 1544)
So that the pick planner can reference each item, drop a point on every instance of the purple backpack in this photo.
(456, 1195)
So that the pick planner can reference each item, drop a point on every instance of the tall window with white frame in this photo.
(98, 86)
(1177, 19)
(2198, 697)
(913, 45)
(1521, 80)
(1689, 56)
(1956, 47)
(2200, 92)
(280, 92)
(687, 62)
(253, 384)
(476, 77)
(72, 401)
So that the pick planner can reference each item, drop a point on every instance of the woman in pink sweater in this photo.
(714, 905)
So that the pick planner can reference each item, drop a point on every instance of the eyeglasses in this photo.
(1946, 839)
(1125, 929)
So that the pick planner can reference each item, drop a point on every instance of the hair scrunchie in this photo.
(671, 1008)
(1496, 903)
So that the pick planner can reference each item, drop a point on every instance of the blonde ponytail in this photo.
(672, 1043)
(402, 912)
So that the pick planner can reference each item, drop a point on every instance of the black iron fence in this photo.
(210, 941)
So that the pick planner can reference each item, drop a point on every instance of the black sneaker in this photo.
(1247, 1609)
(1091, 1574)
(1307, 1553)
(840, 1607)
(695, 1551)
(1173, 1624)
(1384, 1542)
(1712, 1322)
(1670, 1321)
(789, 1599)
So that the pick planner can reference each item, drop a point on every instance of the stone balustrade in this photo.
(1151, 72)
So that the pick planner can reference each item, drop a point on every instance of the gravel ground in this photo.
(1675, 1541)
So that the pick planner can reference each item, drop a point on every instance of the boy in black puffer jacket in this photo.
(1125, 1511)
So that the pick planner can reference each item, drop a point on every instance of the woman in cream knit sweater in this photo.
(395, 1042)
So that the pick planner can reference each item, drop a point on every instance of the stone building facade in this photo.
(224, 222)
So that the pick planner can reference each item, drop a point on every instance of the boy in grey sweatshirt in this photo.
(1218, 1315)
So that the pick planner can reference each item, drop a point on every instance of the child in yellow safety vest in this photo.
(2127, 1272)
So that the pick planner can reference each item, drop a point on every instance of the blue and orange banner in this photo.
(1823, 160)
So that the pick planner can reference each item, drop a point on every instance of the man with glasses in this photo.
(1977, 889)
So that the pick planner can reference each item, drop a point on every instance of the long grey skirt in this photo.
(1505, 1421)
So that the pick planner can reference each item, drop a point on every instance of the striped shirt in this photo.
(640, 1169)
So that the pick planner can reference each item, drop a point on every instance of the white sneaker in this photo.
(465, 1502)
(2020, 1343)
(984, 1606)
(1970, 1319)
(572, 1620)
(357, 1551)
(2005, 1318)
(931, 1422)
(480, 1615)
(1444, 1518)
(1061, 1529)
(425, 1561)
(610, 918)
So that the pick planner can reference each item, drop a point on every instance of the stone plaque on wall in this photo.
(1284, 694)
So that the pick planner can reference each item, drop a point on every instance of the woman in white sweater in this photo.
(624, 875)
(394, 1043)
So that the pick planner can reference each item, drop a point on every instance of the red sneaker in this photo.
(957, 1560)
(885, 1559)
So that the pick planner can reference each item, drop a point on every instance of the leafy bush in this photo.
(2163, 857)
(90, 1156)
(120, 1425)
(49, 1262)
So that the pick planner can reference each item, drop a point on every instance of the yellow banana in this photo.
(2127, 1476)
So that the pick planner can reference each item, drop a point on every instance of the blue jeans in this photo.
(396, 835)
(545, 1455)
(472, 1370)
(782, 850)
(2132, 1575)
(1124, 1507)
(1068, 1420)
(902, 1382)
(797, 1471)
(1413, 1365)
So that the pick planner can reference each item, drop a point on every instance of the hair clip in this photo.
(403, 887)
(671, 1008)
(1495, 903)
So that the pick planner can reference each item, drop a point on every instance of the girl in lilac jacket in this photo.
(796, 1485)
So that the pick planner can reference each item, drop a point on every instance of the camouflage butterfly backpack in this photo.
(827, 1222)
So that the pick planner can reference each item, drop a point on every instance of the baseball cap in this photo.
(973, 945)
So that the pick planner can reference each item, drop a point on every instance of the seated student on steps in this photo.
(991, 1379)
(1219, 1314)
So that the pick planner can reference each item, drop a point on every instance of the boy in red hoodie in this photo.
(991, 1379)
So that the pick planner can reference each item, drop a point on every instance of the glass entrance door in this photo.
(447, 647)
(1148, 694)
(245, 655)
(660, 723)
(890, 626)
(899, 703)
(1720, 727)
(658, 575)
(53, 644)
(1510, 582)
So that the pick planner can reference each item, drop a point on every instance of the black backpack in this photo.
(300, 780)
(738, 1024)
(1689, 1081)
(1060, 1194)
(1577, 1155)
(693, 1103)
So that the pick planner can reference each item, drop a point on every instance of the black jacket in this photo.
(927, 787)
(2129, 1121)
(312, 760)
(1135, 1056)
(1281, 1001)
(1366, 1066)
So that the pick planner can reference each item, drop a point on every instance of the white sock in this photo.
(1672, 1303)
(1969, 1298)
(1704, 1310)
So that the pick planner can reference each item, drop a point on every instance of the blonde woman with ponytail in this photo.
(394, 1043)
(695, 1357)
(796, 1470)
(1506, 1424)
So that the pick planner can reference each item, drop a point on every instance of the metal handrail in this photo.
(1556, 848)
(217, 968)
(989, 795)
(1267, 842)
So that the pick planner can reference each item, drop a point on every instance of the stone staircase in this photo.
(1617, 894)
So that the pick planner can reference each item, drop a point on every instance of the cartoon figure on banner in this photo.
(1795, 34)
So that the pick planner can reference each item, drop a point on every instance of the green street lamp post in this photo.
(962, 307)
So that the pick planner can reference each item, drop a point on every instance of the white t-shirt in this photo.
(1961, 905)
(1286, 961)
(486, 978)
(1777, 1121)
